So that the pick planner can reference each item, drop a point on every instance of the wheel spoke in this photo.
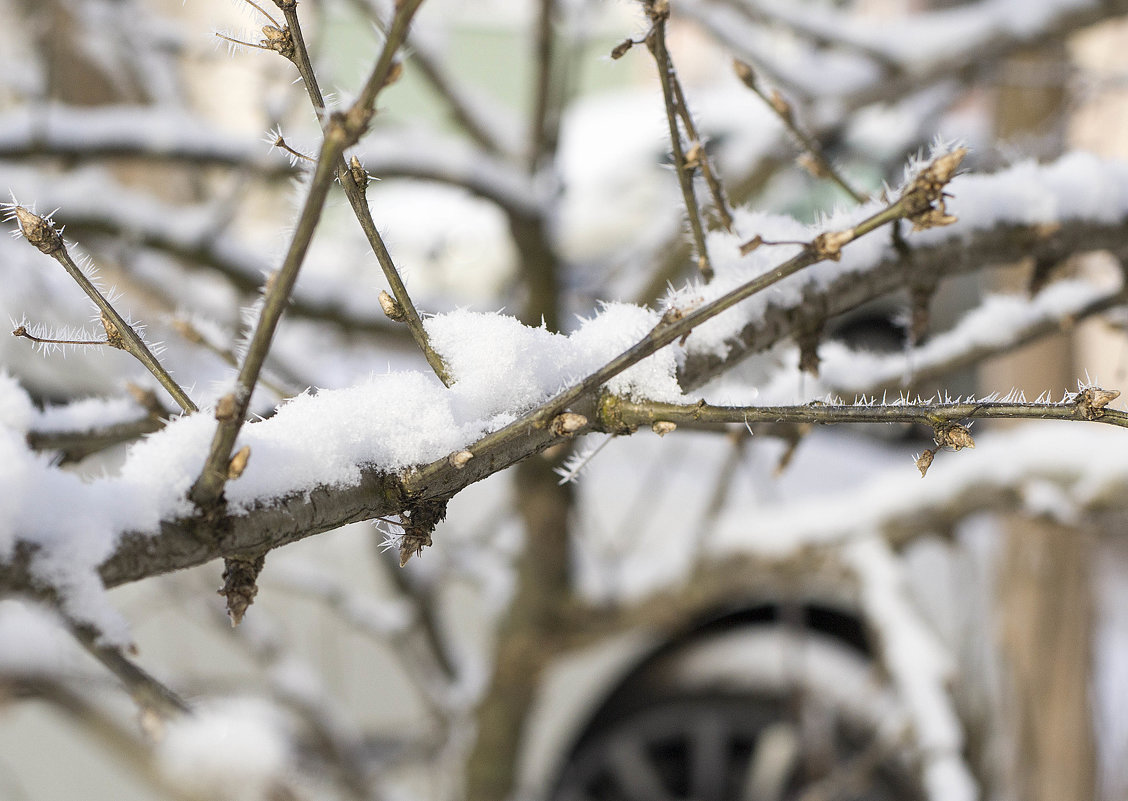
(708, 757)
(772, 762)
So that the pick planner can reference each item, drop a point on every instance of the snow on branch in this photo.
(40, 232)
(919, 665)
(98, 133)
(998, 324)
(623, 416)
(1010, 471)
(156, 132)
(1074, 205)
(911, 54)
(386, 446)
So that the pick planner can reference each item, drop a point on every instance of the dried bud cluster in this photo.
(113, 335)
(238, 462)
(923, 199)
(239, 585)
(460, 459)
(1092, 401)
(658, 10)
(226, 408)
(392, 307)
(37, 230)
(828, 245)
(751, 245)
(745, 73)
(780, 106)
(279, 40)
(621, 49)
(358, 173)
(395, 72)
(694, 155)
(418, 525)
(568, 423)
(953, 436)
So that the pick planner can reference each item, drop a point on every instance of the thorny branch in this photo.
(40, 232)
(568, 414)
(243, 539)
(620, 415)
(342, 130)
(659, 13)
(354, 179)
(817, 161)
(181, 543)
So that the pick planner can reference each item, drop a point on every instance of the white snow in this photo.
(502, 369)
(231, 749)
(919, 666)
(1090, 462)
(1079, 186)
(149, 130)
(33, 641)
(86, 414)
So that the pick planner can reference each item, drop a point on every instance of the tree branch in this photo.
(620, 415)
(40, 232)
(354, 179)
(1002, 244)
(341, 131)
(659, 13)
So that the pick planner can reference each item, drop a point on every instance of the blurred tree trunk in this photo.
(73, 77)
(1046, 635)
(1046, 611)
(531, 635)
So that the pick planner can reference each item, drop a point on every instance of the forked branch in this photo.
(41, 233)
(342, 130)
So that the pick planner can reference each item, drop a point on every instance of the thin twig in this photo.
(22, 332)
(922, 202)
(101, 727)
(421, 657)
(192, 334)
(820, 165)
(41, 233)
(150, 695)
(342, 130)
(539, 134)
(74, 446)
(724, 481)
(656, 43)
(428, 61)
(353, 178)
(700, 156)
(797, 24)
